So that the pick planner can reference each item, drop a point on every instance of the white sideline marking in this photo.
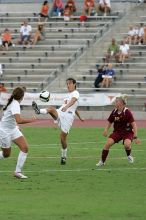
(73, 143)
(79, 157)
(79, 170)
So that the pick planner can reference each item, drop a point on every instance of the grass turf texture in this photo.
(77, 190)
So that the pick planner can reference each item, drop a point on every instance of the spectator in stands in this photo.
(2, 88)
(99, 78)
(104, 6)
(39, 34)
(136, 31)
(88, 6)
(67, 13)
(71, 5)
(113, 51)
(108, 76)
(44, 11)
(57, 8)
(1, 43)
(6, 39)
(25, 33)
(141, 35)
(1, 70)
(131, 35)
(145, 34)
(83, 18)
(124, 51)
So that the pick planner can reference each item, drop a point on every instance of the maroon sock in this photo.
(104, 155)
(128, 152)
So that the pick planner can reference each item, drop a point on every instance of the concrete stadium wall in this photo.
(100, 115)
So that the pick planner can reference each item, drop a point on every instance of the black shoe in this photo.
(63, 161)
(35, 107)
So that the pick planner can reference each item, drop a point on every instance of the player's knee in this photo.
(6, 154)
(24, 149)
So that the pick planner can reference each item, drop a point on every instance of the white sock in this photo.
(43, 111)
(20, 162)
(64, 152)
(1, 155)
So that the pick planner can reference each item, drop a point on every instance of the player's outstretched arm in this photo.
(21, 120)
(78, 115)
(136, 139)
(105, 133)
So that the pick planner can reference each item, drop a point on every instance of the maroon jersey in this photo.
(121, 121)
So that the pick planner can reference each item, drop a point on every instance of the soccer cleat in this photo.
(20, 176)
(63, 161)
(35, 107)
(130, 159)
(100, 164)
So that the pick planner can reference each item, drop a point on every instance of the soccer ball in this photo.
(44, 96)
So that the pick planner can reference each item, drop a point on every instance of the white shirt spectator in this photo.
(1, 43)
(124, 48)
(136, 31)
(141, 32)
(1, 70)
(131, 32)
(25, 30)
(102, 2)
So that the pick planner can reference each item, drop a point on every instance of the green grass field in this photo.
(77, 190)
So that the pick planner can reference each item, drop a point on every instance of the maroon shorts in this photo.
(118, 136)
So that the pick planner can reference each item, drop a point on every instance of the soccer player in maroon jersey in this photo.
(124, 129)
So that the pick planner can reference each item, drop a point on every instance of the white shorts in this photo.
(65, 120)
(6, 137)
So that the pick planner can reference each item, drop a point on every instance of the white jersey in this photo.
(68, 98)
(8, 121)
(25, 30)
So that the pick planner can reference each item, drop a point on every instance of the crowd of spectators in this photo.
(27, 39)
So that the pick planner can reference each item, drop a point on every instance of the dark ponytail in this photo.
(17, 94)
(9, 102)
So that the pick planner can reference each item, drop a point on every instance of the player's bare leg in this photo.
(127, 145)
(63, 138)
(105, 152)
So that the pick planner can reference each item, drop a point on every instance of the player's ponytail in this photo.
(17, 94)
(8, 103)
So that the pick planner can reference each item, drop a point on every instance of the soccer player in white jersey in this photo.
(64, 116)
(9, 130)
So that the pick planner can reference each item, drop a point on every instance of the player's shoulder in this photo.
(15, 103)
(127, 111)
(76, 94)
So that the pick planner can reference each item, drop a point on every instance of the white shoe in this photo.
(130, 159)
(20, 176)
(100, 164)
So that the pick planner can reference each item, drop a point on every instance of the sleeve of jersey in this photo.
(129, 116)
(111, 118)
(15, 109)
(76, 95)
